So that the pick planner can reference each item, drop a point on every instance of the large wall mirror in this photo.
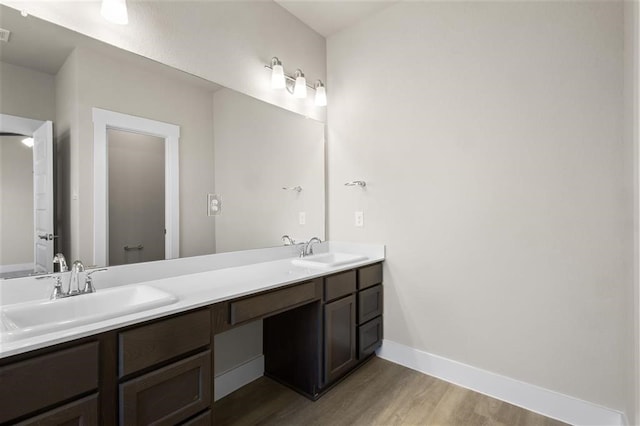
(245, 172)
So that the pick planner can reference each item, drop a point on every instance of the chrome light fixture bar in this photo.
(295, 84)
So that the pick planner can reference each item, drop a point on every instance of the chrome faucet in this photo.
(59, 259)
(288, 241)
(74, 285)
(307, 248)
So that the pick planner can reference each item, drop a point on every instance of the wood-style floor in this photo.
(378, 393)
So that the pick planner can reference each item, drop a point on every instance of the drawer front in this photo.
(369, 337)
(154, 343)
(369, 276)
(169, 395)
(369, 304)
(83, 412)
(45, 380)
(265, 304)
(339, 285)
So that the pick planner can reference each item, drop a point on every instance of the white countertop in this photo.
(199, 289)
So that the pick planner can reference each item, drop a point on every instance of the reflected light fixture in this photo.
(115, 11)
(295, 84)
(300, 88)
(277, 74)
(321, 94)
(28, 142)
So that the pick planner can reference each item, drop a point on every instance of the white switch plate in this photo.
(302, 218)
(359, 219)
(214, 205)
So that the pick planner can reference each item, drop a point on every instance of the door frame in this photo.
(104, 120)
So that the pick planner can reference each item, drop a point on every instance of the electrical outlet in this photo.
(214, 205)
(359, 219)
(302, 218)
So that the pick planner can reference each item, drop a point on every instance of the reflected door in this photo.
(43, 197)
(136, 197)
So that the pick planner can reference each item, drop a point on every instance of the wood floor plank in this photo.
(379, 393)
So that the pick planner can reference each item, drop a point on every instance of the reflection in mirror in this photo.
(233, 149)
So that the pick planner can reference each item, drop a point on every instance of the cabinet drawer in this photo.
(369, 337)
(369, 304)
(81, 412)
(339, 285)
(265, 304)
(154, 343)
(169, 395)
(45, 380)
(369, 276)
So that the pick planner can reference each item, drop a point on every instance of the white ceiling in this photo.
(327, 17)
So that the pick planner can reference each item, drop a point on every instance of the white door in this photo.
(43, 197)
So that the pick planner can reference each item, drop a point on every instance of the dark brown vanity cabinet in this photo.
(352, 319)
(165, 370)
(161, 371)
(51, 386)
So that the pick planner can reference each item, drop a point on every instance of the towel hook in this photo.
(356, 183)
(296, 188)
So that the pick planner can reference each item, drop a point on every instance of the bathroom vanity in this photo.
(316, 330)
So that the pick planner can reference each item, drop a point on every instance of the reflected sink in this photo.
(34, 318)
(328, 260)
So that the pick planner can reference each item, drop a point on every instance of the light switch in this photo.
(302, 218)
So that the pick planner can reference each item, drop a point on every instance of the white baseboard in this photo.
(533, 398)
(234, 379)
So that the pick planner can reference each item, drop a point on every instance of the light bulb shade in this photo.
(321, 96)
(300, 89)
(115, 11)
(277, 77)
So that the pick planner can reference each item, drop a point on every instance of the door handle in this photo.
(47, 237)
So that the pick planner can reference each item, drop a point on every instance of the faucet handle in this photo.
(288, 241)
(88, 281)
(57, 287)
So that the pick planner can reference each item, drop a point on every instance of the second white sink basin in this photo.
(34, 318)
(328, 260)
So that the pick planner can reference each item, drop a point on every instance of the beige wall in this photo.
(26, 93)
(490, 137)
(140, 92)
(632, 91)
(16, 201)
(259, 150)
(233, 41)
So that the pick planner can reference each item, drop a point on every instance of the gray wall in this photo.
(491, 140)
(27, 93)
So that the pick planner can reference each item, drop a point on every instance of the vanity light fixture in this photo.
(277, 74)
(300, 88)
(295, 84)
(28, 142)
(115, 11)
(321, 94)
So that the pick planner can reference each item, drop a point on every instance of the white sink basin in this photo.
(34, 318)
(328, 260)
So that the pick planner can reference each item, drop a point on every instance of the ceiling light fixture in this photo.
(115, 11)
(28, 142)
(295, 84)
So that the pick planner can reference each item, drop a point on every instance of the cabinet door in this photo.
(339, 337)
